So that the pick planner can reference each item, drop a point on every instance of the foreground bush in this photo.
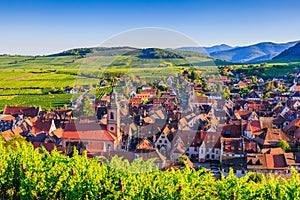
(28, 173)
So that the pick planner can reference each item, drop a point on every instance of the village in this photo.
(247, 123)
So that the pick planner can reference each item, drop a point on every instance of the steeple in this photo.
(113, 99)
(113, 116)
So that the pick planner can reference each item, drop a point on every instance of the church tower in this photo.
(113, 116)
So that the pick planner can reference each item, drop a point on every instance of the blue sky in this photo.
(42, 27)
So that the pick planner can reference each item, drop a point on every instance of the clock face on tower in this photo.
(112, 96)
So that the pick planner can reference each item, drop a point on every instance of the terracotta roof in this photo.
(271, 159)
(232, 145)
(242, 84)
(28, 111)
(48, 146)
(58, 132)
(293, 123)
(86, 131)
(202, 100)
(266, 122)
(41, 126)
(297, 88)
(272, 151)
(7, 118)
(250, 147)
(243, 113)
(136, 100)
(152, 91)
(7, 135)
(212, 140)
(233, 129)
(145, 145)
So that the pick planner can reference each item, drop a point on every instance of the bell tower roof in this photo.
(113, 99)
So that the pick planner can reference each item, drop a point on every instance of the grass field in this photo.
(27, 80)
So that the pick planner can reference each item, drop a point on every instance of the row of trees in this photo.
(28, 173)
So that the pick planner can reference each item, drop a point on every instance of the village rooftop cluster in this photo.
(224, 121)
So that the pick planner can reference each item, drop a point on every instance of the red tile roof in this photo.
(29, 111)
(7, 118)
(232, 145)
(41, 126)
(136, 100)
(48, 146)
(86, 131)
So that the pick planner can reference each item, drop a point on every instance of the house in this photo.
(152, 92)
(254, 95)
(253, 129)
(22, 110)
(234, 129)
(146, 87)
(93, 137)
(270, 137)
(296, 96)
(144, 94)
(272, 160)
(163, 143)
(169, 81)
(145, 151)
(6, 122)
(232, 156)
(210, 148)
(242, 84)
(292, 128)
(223, 78)
(295, 88)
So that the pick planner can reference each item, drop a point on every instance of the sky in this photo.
(39, 27)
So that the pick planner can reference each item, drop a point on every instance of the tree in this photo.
(86, 107)
(226, 93)
(284, 145)
(270, 86)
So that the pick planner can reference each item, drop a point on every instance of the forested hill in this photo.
(290, 55)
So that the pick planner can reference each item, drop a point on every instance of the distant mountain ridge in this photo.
(206, 50)
(291, 54)
(259, 52)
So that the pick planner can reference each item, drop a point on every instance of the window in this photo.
(111, 115)
(217, 151)
(111, 128)
(213, 150)
(213, 157)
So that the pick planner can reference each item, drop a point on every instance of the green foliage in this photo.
(226, 93)
(102, 91)
(28, 173)
(284, 145)
(86, 109)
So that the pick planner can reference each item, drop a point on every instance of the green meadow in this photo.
(40, 80)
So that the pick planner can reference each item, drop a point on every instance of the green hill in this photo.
(291, 54)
